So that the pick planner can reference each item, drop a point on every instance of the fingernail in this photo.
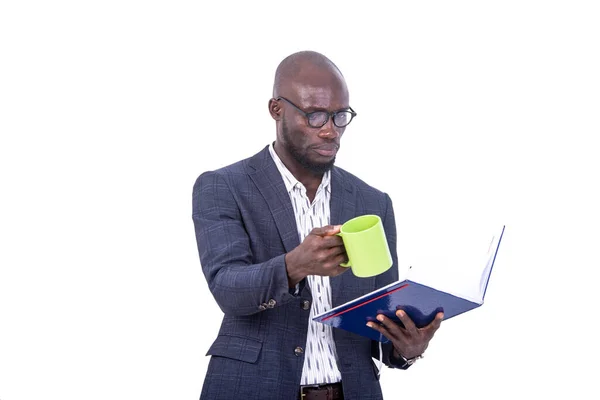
(380, 318)
(369, 324)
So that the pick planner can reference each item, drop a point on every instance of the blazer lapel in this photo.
(343, 208)
(270, 184)
(342, 204)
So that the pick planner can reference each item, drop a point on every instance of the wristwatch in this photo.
(407, 361)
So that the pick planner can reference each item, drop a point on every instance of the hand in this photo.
(409, 341)
(321, 253)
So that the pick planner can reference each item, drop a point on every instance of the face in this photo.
(314, 149)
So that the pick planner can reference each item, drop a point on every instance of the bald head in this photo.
(306, 68)
(309, 88)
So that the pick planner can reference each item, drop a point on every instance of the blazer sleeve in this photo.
(239, 286)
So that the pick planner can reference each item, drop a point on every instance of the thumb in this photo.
(326, 230)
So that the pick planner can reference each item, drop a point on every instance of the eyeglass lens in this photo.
(319, 118)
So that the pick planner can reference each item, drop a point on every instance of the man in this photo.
(266, 231)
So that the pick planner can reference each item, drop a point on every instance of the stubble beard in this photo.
(302, 159)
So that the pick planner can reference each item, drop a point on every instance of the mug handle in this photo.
(346, 264)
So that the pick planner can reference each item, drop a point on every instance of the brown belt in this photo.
(330, 391)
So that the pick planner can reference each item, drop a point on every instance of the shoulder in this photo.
(355, 183)
(234, 172)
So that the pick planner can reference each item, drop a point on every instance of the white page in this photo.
(453, 260)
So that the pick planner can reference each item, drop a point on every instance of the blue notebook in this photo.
(419, 301)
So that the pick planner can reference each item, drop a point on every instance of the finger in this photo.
(381, 329)
(338, 270)
(326, 230)
(437, 322)
(332, 241)
(392, 327)
(336, 251)
(334, 230)
(397, 341)
(337, 256)
(340, 259)
(334, 263)
(408, 323)
(434, 325)
(321, 231)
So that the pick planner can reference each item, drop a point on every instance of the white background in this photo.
(469, 113)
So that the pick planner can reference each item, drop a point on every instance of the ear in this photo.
(275, 109)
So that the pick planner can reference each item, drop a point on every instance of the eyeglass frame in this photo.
(330, 114)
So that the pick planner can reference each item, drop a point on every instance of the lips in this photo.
(327, 150)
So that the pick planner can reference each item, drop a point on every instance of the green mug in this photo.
(366, 246)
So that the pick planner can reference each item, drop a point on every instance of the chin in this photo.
(307, 161)
(320, 168)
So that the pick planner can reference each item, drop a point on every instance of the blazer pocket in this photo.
(235, 347)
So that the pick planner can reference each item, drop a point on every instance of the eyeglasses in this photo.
(317, 119)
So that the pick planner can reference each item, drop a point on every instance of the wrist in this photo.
(294, 273)
(405, 355)
(404, 362)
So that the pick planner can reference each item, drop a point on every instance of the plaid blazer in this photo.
(244, 224)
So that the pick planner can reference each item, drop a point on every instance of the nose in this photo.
(330, 131)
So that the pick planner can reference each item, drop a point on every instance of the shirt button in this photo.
(298, 351)
(305, 305)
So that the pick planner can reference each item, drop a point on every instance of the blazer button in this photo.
(298, 351)
(305, 305)
(272, 303)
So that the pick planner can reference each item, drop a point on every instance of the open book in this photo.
(419, 301)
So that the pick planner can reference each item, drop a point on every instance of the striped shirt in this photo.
(320, 357)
